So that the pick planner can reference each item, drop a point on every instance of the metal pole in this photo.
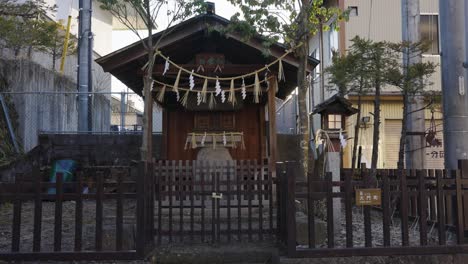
(454, 82)
(415, 123)
(83, 63)
(123, 110)
(90, 73)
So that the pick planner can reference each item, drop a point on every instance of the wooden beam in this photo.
(272, 123)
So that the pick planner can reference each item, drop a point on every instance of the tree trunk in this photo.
(356, 133)
(303, 113)
(376, 132)
(147, 141)
(401, 151)
(303, 85)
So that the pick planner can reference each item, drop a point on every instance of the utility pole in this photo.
(454, 42)
(85, 37)
(415, 122)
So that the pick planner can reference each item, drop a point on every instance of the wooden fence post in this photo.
(139, 176)
(404, 209)
(280, 194)
(330, 224)
(366, 178)
(422, 207)
(37, 179)
(291, 209)
(311, 209)
(461, 173)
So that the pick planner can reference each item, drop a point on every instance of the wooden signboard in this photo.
(368, 197)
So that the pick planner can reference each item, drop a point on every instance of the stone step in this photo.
(233, 253)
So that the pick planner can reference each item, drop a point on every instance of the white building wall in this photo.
(380, 20)
(101, 22)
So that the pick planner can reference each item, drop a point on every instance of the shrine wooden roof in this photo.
(335, 105)
(201, 34)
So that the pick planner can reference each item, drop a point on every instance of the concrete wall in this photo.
(104, 149)
(46, 112)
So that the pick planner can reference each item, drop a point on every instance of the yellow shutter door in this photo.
(434, 155)
(391, 138)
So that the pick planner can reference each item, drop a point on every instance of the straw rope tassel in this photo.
(204, 89)
(185, 99)
(194, 141)
(212, 102)
(161, 94)
(214, 141)
(176, 83)
(242, 141)
(233, 142)
(232, 95)
(281, 76)
(256, 89)
(186, 143)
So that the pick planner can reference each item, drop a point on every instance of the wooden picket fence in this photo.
(123, 212)
(82, 204)
(434, 199)
(202, 201)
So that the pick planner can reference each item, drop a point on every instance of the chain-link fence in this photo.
(25, 115)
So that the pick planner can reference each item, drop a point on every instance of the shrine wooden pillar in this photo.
(272, 124)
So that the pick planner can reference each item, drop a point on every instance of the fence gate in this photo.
(213, 201)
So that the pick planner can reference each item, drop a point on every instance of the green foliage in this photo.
(357, 71)
(411, 78)
(21, 27)
(30, 9)
(282, 19)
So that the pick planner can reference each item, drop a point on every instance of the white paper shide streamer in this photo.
(191, 81)
(223, 96)
(166, 66)
(224, 138)
(217, 88)
(199, 98)
(243, 90)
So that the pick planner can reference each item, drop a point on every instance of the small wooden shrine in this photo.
(217, 90)
(333, 113)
